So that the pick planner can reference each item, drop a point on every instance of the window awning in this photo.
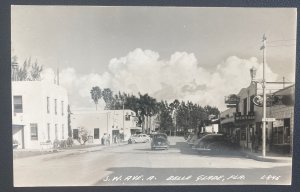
(136, 128)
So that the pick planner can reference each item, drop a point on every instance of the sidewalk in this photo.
(270, 157)
(57, 153)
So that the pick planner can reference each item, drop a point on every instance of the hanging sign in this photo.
(258, 100)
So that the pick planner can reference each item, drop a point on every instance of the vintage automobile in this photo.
(140, 138)
(214, 143)
(192, 140)
(159, 141)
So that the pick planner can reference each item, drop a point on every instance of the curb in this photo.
(264, 159)
(65, 153)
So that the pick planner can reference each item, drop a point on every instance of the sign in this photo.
(258, 100)
(278, 123)
(232, 99)
(269, 119)
(244, 117)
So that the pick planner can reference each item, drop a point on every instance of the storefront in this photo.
(282, 128)
(281, 136)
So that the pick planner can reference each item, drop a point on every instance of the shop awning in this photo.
(136, 128)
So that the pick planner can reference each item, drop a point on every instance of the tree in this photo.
(107, 96)
(148, 107)
(22, 72)
(69, 122)
(26, 72)
(36, 72)
(165, 118)
(83, 135)
(96, 95)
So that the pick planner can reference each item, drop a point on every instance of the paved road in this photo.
(136, 164)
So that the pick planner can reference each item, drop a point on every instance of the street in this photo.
(137, 164)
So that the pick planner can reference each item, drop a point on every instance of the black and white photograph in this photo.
(152, 95)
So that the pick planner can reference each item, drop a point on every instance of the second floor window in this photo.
(48, 131)
(62, 108)
(55, 106)
(18, 104)
(62, 131)
(48, 105)
(56, 133)
(251, 103)
(245, 107)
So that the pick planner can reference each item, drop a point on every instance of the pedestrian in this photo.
(115, 138)
(108, 139)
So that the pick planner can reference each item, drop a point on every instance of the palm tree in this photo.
(107, 95)
(96, 95)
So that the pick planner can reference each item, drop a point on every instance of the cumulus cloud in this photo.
(179, 77)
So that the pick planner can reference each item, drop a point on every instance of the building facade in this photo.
(40, 114)
(114, 123)
(243, 119)
(283, 127)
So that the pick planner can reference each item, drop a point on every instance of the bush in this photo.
(63, 144)
(83, 135)
(56, 144)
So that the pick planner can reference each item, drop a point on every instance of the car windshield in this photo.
(212, 138)
(160, 136)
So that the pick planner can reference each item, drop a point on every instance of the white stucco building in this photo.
(110, 122)
(39, 113)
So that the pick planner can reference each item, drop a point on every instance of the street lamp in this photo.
(263, 83)
(253, 73)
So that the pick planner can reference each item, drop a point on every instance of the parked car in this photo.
(195, 142)
(187, 135)
(214, 143)
(159, 141)
(140, 138)
(192, 140)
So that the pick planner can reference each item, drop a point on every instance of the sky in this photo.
(195, 54)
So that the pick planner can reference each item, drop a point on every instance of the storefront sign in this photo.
(278, 123)
(244, 117)
(258, 100)
(269, 119)
(232, 99)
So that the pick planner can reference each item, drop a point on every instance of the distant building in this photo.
(116, 123)
(39, 114)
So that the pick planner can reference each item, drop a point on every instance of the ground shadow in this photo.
(188, 150)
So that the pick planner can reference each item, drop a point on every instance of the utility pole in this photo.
(264, 98)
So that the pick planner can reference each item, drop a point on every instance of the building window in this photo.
(55, 106)
(62, 131)
(75, 133)
(62, 108)
(33, 131)
(56, 133)
(281, 131)
(18, 104)
(48, 105)
(127, 117)
(251, 104)
(96, 133)
(48, 130)
(245, 106)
